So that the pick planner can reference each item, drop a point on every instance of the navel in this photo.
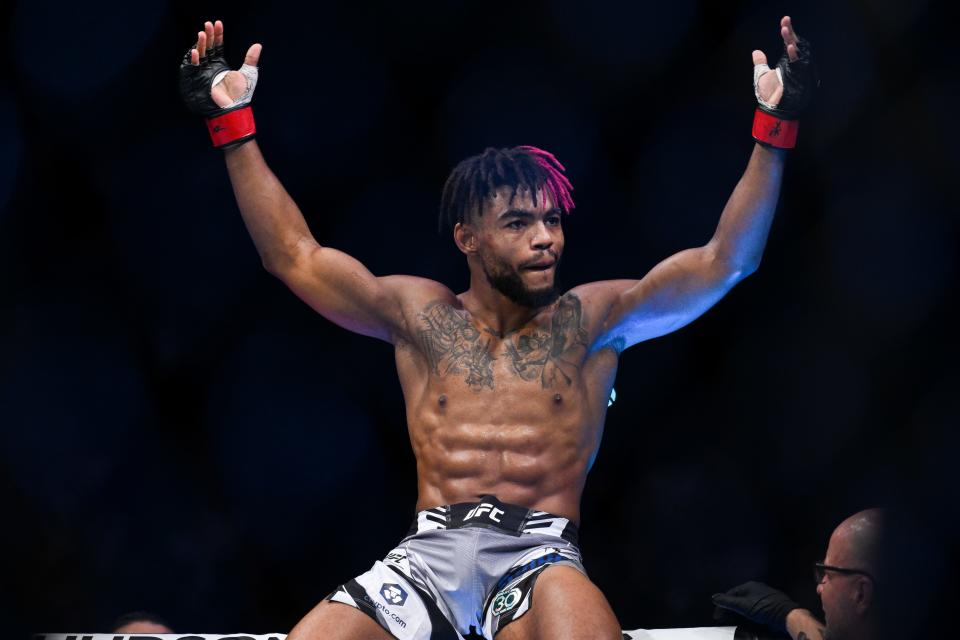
(557, 398)
(442, 400)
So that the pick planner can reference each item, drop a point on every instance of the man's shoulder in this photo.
(416, 290)
(601, 287)
(421, 297)
(598, 302)
(597, 297)
(416, 297)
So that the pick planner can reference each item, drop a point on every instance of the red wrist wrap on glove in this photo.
(232, 128)
(775, 131)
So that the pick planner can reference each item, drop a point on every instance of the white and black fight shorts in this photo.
(463, 572)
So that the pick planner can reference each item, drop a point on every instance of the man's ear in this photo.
(863, 595)
(466, 237)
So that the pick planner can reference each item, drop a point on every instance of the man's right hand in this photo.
(757, 602)
(211, 89)
(234, 84)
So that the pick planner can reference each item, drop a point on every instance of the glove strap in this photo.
(232, 128)
(774, 131)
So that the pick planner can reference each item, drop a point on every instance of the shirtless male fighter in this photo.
(505, 384)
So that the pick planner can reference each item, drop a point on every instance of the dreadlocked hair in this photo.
(520, 168)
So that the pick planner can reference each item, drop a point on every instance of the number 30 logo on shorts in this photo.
(505, 601)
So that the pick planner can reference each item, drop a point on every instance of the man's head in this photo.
(504, 207)
(140, 622)
(847, 586)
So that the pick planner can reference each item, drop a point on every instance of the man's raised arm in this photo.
(335, 284)
(682, 287)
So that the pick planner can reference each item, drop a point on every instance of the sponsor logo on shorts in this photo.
(484, 508)
(386, 611)
(506, 600)
(396, 557)
(393, 593)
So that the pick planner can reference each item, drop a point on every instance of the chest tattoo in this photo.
(452, 344)
(552, 356)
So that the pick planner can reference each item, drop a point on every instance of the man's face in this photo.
(835, 588)
(520, 244)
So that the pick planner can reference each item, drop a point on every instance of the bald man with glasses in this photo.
(846, 584)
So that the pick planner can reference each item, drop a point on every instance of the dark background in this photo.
(181, 434)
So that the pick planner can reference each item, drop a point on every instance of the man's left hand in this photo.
(769, 86)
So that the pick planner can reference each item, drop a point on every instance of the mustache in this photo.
(554, 257)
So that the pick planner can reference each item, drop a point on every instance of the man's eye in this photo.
(554, 221)
(516, 224)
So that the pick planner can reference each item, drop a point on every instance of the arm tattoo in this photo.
(452, 344)
(555, 355)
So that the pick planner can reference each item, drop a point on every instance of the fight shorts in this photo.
(464, 571)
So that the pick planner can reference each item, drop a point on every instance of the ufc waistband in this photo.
(490, 513)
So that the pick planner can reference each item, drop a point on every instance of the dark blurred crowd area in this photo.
(179, 433)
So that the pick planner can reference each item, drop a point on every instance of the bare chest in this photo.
(547, 354)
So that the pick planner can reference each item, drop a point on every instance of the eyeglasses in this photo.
(820, 570)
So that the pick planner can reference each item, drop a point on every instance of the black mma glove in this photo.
(777, 124)
(228, 126)
(758, 603)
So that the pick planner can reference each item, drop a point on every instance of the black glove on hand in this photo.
(232, 124)
(775, 121)
(800, 79)
(757, 602)
(196, 80)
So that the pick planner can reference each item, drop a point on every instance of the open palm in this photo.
(234, 84)
(769, 86)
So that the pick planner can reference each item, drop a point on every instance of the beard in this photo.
(507, 280)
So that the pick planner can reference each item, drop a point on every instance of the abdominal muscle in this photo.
(532, 448)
